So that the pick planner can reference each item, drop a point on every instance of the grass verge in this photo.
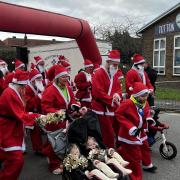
(168, 93)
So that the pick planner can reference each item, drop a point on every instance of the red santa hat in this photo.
(63, 58)
(60, 71)
(65, 64)
(120, 74)
(114, 56)
(21, 77)
(2, 62)
(38, 59)
(18, 64)
(34, 73)
(139, 89)
(88, 63)
(138, 59)
(96, 66)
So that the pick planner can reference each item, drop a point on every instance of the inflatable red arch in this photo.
(20, 19)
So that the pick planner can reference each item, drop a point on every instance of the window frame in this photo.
(159, 50)
(174, 49)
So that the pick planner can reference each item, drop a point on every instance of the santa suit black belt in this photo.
(6, 117)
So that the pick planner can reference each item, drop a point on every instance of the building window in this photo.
(176, 61)
(159, 55)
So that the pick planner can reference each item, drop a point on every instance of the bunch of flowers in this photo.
(97, 154)
(71, 163)
(43, 120)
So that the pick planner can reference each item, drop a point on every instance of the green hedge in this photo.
(168, 93)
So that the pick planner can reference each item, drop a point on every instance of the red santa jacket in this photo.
(33, 101)
(133, 76)
(83, 84)
(103, 89)
(53, 100)
(1, 85)
(130, 119)
(12, 119)
(8, 79)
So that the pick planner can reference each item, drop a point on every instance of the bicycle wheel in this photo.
(171, 151)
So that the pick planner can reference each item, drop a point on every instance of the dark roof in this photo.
(158, 18)
(27, 42)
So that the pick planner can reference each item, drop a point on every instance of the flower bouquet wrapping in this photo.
(71, 163)
(43, 120)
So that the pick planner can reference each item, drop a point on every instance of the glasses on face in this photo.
(144, 95)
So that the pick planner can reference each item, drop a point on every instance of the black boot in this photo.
(150, 170)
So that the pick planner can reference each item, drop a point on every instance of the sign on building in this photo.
(169, 27)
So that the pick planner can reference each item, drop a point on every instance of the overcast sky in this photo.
(99, 11)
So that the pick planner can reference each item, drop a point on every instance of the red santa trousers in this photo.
(146, 155)
(107, 131)
(54, 161)
(135, 154)
(36, 138)
(12, 165)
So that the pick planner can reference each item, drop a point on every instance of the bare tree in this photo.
(122, 36)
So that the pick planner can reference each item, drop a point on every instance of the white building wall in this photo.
(69, 49)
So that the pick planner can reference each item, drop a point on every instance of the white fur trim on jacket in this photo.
(139, 140)
(133, 130)
(152, 120)
(103, 113)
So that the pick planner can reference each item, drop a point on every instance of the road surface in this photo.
(35, 167)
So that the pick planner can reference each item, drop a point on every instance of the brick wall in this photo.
(147, 44)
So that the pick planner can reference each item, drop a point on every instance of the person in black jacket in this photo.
(152, 74)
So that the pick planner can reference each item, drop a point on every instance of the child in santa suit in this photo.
(56, 97)
(137, 74)
(12, 120)
(132, 115)
(83, 84)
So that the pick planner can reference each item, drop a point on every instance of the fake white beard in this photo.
(88, 77)
(4, 70)
(140, 68)
(39, 85)
(41, 68)
(112, 70)
(106, 170)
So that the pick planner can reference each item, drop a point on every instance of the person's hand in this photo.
(90, 176)
(166, 126)
(160, 128)
(116, 98)
(152, 112)
(136, 133)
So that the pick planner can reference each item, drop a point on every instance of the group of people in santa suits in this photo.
(26, 95)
